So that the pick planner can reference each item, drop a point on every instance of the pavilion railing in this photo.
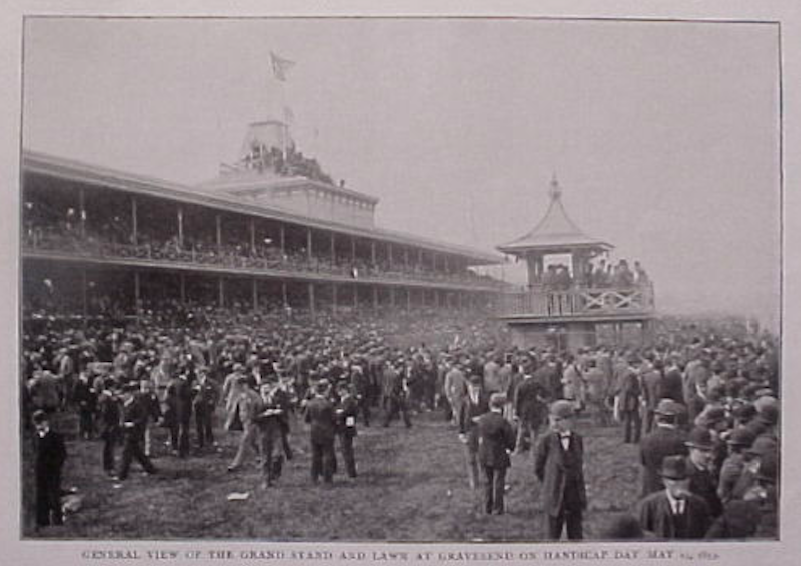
(541, 302)
(240, 259)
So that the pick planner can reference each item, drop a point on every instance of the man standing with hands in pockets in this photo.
(496, 440)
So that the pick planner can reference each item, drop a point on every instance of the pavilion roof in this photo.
(555, 233)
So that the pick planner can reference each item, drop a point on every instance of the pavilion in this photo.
(561, 306)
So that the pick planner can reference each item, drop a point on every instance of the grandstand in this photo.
(272, 229)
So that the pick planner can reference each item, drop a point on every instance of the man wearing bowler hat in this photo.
(666, 439)
(559, 465)
(496, 440)
(703, 480)
(675, 512)
(476, 403)
(322, 420)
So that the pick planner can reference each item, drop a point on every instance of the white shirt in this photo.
(676, 505)
(564, 438)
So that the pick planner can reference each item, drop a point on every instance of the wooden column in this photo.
(221, 297)
(137, 296)
(255, 293)
(252, 236)
(134, 223)
(181, 226)
(408, 298)
(84, 297)
(406, 259)
(311, 299)
(353, 249)
(82, 211)
(334, 297)
(282, 238)
(389, 255)
(308, 244)
(333, 248)
(372, 251)
(218, 221)
(284, 295)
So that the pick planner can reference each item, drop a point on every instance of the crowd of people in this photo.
(603, 275)
(701, 403)
(64, 236)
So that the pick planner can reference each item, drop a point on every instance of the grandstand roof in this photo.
(555, 233)
(45, 164)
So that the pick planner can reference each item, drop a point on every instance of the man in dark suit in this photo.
(476, 403)
(665, 440)
(203, 404)
(50, 456)
(674, 512)
(530, 409)
(110, 418)
(134, 419)
(268, 415)
(179, 401)
(395, 391)
(700, 470)
(346, 411)
(321, 418)
(559, 465)
(496, 439)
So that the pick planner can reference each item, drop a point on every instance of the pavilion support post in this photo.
(134, 222)
(309, 244)
(312, 309)
(406, 259)
(389, 255)
(284, 295)
(137, 295)
(282, 239)
(82, 210)
(334, 297)
(221, 292)
(420, 258)
(181, 226)
(255, 293)
(218, 222)
(252, 236)
(372, 252)
(333, 249)
(84, 295)
(353, 249)
(408, 298)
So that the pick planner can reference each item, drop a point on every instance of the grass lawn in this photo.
(412, 486)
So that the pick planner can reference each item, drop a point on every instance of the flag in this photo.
(280, 66)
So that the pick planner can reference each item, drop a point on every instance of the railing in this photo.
(539, 302)
(240, 259)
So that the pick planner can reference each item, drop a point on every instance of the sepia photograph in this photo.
(400, 279)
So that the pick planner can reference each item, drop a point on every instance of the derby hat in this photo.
(674, 468)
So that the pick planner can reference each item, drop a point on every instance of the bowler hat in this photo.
(561, 409)
(674, 468)
(763, 445)
(768, 470)
(497, 400)
(700, 438)
(321, 386)
(741, 437)
(668, 407)
(710, 415)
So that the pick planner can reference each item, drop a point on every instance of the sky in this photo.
(664, 135)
